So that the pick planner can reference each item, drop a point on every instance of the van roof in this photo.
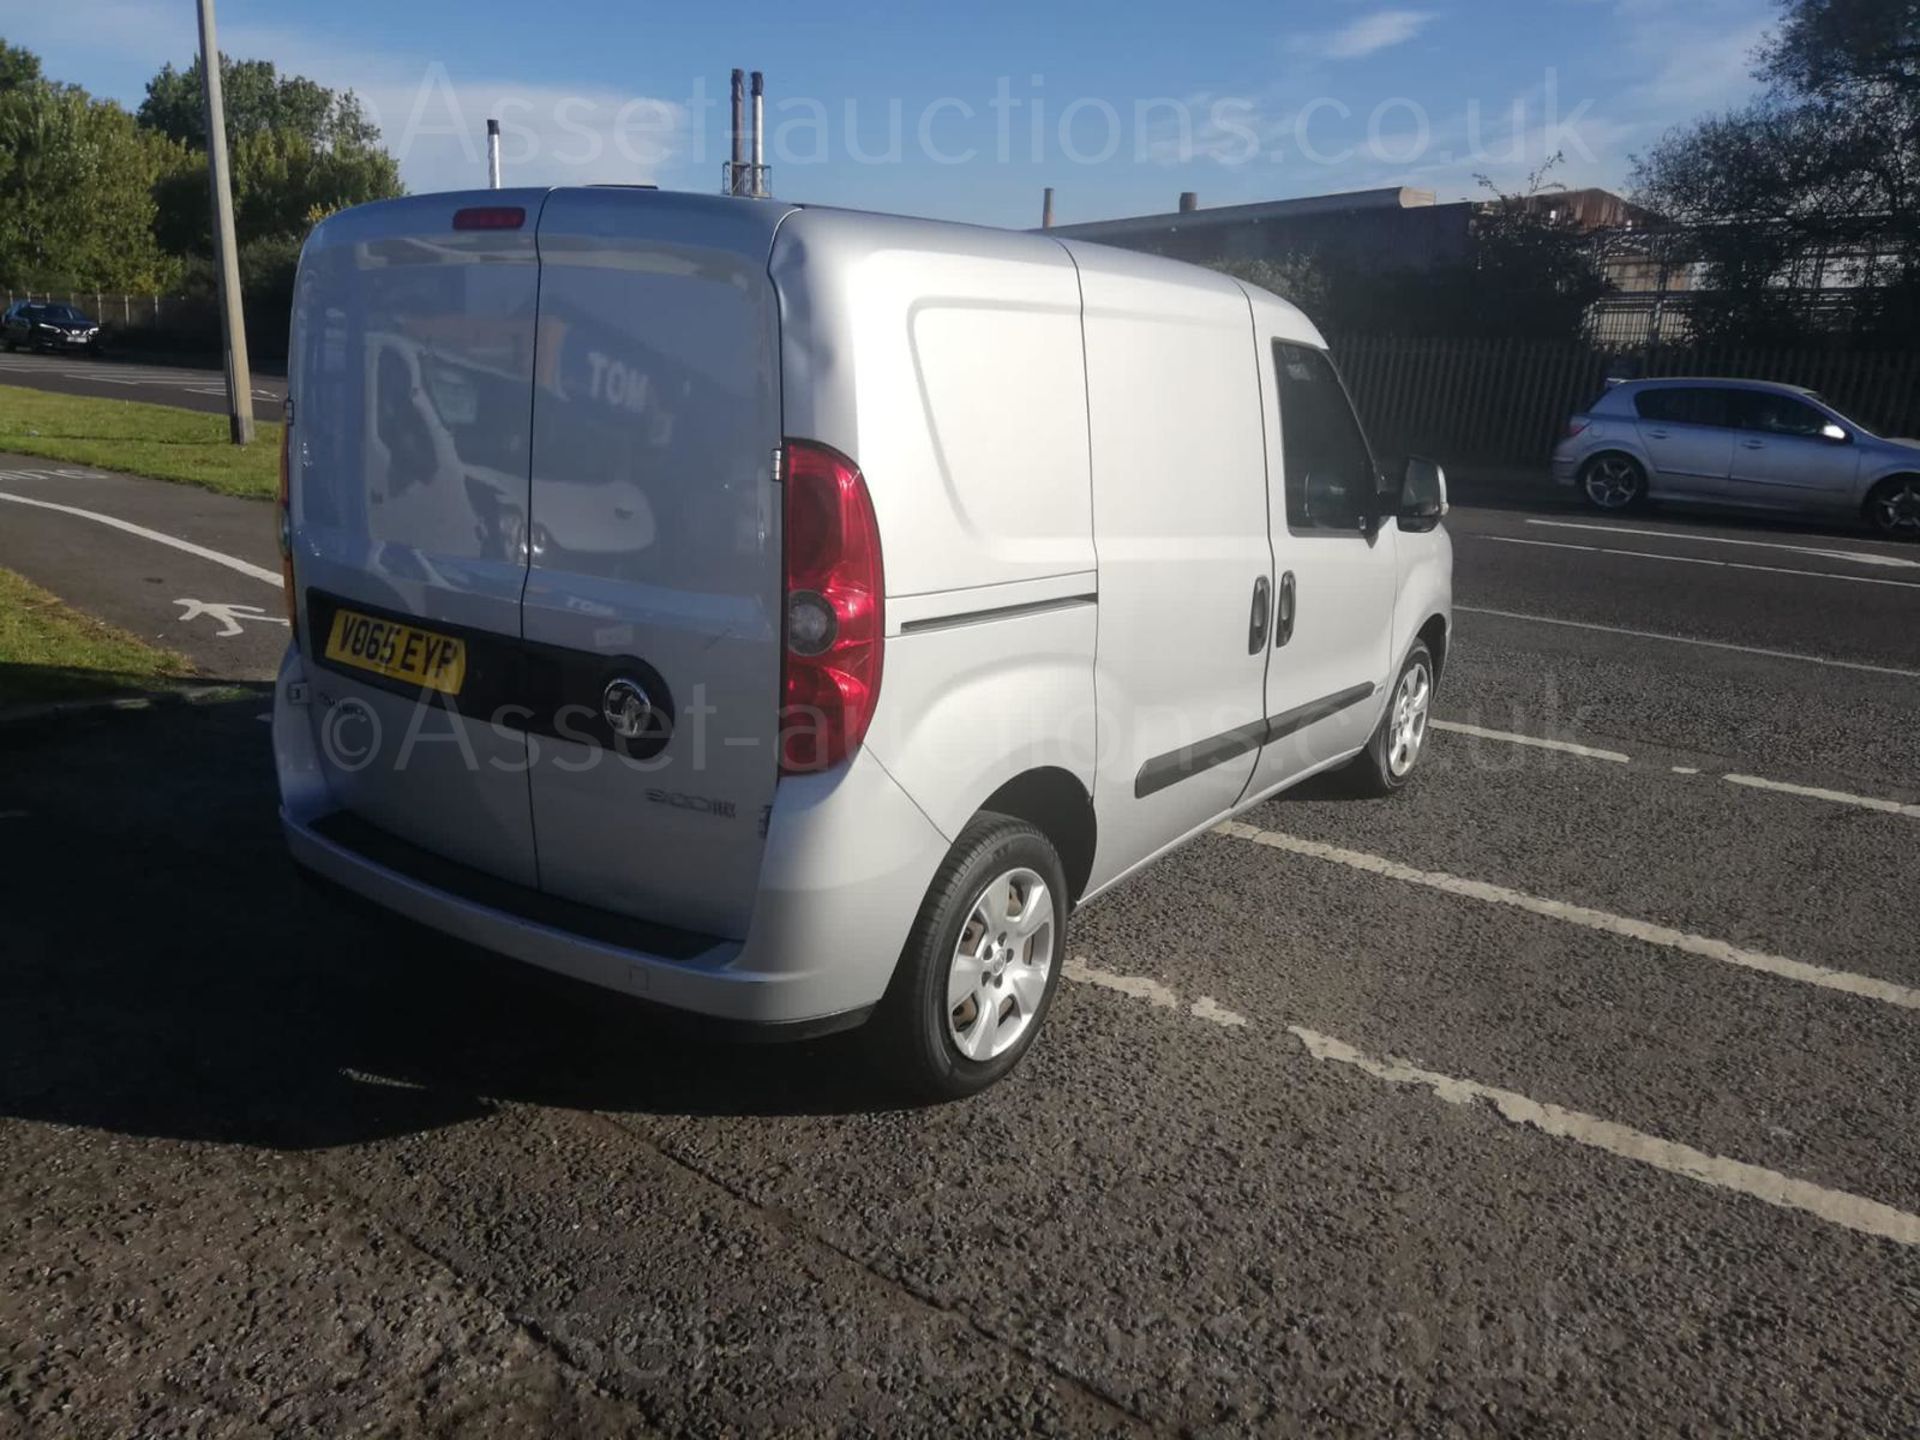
(910, 229)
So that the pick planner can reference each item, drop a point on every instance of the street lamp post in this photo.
(233, 327)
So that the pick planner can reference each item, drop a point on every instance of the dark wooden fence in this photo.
(1507, 401)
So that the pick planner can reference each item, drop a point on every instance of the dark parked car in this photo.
(46, 325)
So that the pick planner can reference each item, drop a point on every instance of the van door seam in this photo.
(526, 573)
(1093, 508)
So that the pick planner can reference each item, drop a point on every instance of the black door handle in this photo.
(1257, 622)
(1288, 607)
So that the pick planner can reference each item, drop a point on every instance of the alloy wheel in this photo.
(1411, 703)
(1897, 508)
(1613, 482)
(998, 975)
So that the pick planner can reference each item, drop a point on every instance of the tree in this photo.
(295, 146)
(1805, 205)
(18, 67)
(76, 202)
(258, 100)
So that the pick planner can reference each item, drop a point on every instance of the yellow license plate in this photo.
(398, 651)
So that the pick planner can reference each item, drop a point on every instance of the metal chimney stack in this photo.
(493, 154)
(1188, 201)
(758, 175)
(1046, 210)
(739, 133)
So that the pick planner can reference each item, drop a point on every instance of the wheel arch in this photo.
(1055, 803)
(1616, 451)
(1872, 487)
(1434, 634)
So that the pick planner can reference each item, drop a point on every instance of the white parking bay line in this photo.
(1837, 1207)
(1860, 557)
(1565, 747)
(1814, 792)
(1141, 987)
(232, 562)
(1690, 640)
(1866, 986)
(1700, 560)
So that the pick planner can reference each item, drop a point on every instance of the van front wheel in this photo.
(1385, 767)
(981, 965)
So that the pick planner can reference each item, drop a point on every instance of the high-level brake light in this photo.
(490, 217)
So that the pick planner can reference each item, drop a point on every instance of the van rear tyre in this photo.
(1386, 766)
(981, 965)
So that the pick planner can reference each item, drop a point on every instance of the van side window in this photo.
(1329, 470)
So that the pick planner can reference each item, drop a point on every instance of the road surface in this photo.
(113, 379)
(1572, 1093)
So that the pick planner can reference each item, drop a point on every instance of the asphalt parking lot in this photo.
(1571, 1094)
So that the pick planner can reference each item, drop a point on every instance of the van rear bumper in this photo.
(847, 860)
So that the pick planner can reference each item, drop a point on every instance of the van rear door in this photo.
(409, 382)
(655, 586)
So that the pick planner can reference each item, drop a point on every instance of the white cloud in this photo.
(433, 117)
(434, 124)
(1370, 34)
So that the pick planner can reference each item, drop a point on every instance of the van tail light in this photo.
(283, 526)
(1577, 426)
(835, 624)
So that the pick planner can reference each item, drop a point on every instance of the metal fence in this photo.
(1507, 401)
(126, 312)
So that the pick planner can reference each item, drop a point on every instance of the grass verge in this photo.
(154, 440)
(50, 651)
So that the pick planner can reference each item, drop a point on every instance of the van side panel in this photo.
(1180, 519)
(409, 379)
(948, 363)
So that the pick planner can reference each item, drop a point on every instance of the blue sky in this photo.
(966, 111)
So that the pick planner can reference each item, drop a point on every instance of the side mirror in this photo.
(1836, 433)
(1423, 496)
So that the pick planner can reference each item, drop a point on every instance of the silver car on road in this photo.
(1741, 443)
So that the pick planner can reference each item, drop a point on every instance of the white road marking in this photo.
(1862, 557)
(1536, 742)
(1138, 986)
(1689, 640)
(1836, 1207)
(232, 562)
(1751, 782)
(229, 617)
(1814, 792)
(1866, 986)
(1699, 560)
(1208, 1008)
